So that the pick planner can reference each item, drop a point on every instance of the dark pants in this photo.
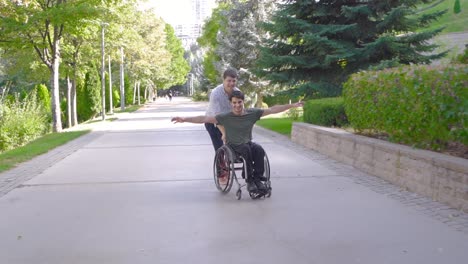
(254, 159)
(215, 135)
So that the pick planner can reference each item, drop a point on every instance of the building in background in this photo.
(200, 10)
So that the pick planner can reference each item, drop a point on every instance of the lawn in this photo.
(451, 21)
(282, 125)
(11, 158)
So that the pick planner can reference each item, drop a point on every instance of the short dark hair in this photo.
(236, 94)
(231, 72)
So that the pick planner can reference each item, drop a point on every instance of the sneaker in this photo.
(251, 187)
(260, 185)
(262, 178)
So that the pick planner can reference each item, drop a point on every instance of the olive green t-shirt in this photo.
(239, 128)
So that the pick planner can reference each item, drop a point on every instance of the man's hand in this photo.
(178, 119)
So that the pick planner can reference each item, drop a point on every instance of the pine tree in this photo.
(315, 45)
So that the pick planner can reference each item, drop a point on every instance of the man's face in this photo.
(237, 106)
(229, 82)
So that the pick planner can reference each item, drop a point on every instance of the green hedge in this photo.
(325, 112)
(418, 105)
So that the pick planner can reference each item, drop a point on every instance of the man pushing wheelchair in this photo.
(236, 127)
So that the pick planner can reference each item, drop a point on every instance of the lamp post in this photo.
(103, 78)
(111, 106)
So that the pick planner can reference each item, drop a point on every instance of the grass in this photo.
(128, 109)
(282, 125)
(451, 21)
(11, 158)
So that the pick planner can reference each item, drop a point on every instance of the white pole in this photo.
(122, 87)
(103, 79)
(111, 107)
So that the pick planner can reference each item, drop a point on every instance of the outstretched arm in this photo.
(281, 108)
(194, 119)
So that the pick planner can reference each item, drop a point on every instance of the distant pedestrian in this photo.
(170, 95)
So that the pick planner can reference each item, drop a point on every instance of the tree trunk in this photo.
(138, 92)
(134, 92)
(259, 99)
(74, 114)
(55, 102)
(69, 102)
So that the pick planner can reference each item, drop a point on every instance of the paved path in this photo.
(140, 190)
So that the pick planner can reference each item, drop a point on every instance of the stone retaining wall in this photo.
(441, 177)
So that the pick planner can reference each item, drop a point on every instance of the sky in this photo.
(172, 11)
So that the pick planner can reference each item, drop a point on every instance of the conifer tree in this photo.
(314, 45)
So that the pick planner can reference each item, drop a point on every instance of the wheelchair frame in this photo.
(226, 160)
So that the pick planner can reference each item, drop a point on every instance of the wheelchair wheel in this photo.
(266, 174)
(223, 169)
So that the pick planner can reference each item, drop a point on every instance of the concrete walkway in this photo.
(140, 190)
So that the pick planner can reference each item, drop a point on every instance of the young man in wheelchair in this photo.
(237, 134)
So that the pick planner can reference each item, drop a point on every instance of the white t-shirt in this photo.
(219, 101)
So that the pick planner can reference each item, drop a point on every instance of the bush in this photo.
(89, 97)
(21, 122)
(200, 96)
(43, 96)
(418, 105)
(456, 7)
(325, 112)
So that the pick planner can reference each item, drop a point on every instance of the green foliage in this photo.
(115, 98)
(210, 71)
(179, 67)
(213, 26)
(43, 96)
(315, 45)
(89, 96)
(128, 91)
(21, 121)
(462, 58)
(421, 106)
(327, 112)
(200, 96)
(456, 7)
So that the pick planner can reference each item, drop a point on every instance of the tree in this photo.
(178, 67)
(238, 45)
(209, 42)
(315, 45)
(41, 25)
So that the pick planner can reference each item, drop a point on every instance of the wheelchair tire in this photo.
(223, 164)
(267, 175)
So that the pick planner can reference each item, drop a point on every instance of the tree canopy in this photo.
(315, 45)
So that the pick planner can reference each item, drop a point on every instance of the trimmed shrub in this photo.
(89, 97)
(456, 7)
(43, 96)
(325, 112)
(416, 105)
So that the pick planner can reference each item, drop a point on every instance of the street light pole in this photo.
(122, 88)
(103, 78)
(111, 106)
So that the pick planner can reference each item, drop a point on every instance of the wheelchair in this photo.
(226, 162)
